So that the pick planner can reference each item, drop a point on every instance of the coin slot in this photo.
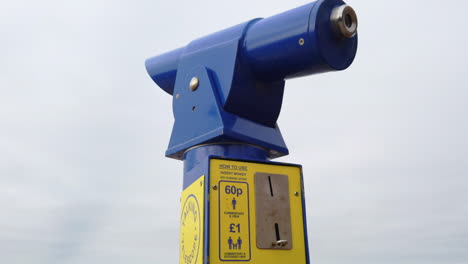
(271, 188)
(277, 232)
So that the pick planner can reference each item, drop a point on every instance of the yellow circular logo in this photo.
(190, 230)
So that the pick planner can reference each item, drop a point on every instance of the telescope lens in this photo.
(344, 21)
(348, 20)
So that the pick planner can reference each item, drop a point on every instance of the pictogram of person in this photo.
(230, 242)
(234, 202)
(239, 243)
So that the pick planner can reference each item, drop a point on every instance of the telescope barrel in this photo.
(318, 37)
(163, 69)
(300, 42)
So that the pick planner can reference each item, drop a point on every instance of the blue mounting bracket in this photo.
(225, 87)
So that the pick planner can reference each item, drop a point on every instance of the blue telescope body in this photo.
(228, 86)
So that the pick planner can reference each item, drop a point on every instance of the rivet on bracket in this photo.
(194, 84)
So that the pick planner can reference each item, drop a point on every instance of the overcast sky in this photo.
(83, 130)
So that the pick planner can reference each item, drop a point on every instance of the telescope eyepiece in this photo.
(344, 21)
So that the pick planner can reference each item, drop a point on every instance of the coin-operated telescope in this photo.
(227, 91)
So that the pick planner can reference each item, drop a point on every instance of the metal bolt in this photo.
(177, 96)
(301, 41)
(344, 21)
(279, 243)
(215, 187)
(201, 183)
(296, 193)
(194, 84)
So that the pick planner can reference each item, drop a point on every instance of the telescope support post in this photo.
(239, 206)
(227, 90)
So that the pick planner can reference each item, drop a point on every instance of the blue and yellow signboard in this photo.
(254, 214)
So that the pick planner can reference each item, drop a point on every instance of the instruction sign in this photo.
(234, 221)
(235, 224)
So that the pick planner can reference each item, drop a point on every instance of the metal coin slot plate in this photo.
(273, 212)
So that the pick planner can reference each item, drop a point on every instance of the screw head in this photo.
(296, 193)
(215, 187)
(194, 84)
(301, 41)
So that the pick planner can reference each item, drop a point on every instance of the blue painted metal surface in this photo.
(242, 71)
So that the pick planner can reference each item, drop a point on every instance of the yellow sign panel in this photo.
(192, 223)
(234, 227)
(233, 214)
